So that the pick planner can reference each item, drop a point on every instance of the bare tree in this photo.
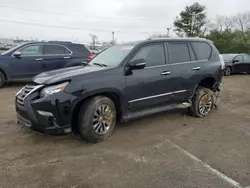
(242, 21)
(224, 23)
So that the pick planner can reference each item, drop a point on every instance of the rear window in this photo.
(81, 49)
(202, 50)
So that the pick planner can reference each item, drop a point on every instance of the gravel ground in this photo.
(168, 150)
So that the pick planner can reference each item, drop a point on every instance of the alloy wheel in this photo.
(205, 104)
(102, 119)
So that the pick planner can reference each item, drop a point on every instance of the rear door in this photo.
(184, 68)
(29, 63)
(56, 56)
(246, 59)
(238, 64)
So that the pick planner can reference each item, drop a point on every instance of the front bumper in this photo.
(48, 115)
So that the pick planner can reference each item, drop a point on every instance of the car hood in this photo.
(63, 74)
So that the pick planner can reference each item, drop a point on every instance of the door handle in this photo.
(165, 73)
(66, 57)
(196, 68)
(39, 59)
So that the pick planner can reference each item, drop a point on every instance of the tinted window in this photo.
(178, 52)
(202, 50)
(239, 58)
(246, 58)
(81, 49)
(32, 50)
(153, 54)
(55, 50)
(228, 57)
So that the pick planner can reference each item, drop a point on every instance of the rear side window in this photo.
(246, 58)
(153, 54)
(56, 50)
(202, 50)
(178, 52)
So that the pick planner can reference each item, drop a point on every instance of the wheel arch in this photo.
(113, 94)
(5, 74)
(207, 82)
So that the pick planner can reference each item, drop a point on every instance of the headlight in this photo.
(53, 89)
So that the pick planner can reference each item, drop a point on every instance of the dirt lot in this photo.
(168, 150)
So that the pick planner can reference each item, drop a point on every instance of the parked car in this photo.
(236, 63)
(122, 83)
(30, 59)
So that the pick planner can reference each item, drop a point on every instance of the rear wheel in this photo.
(228, 71)
(202, 102)
(2, 79)
(97, 119)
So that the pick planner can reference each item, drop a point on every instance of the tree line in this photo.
(230, 34)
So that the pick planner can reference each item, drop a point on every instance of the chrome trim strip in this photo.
(35, 88)
(157, 66)
(154, 96)
(31, 91)
(19, 91)
(176, 63)
(42, 54)
(189, 62)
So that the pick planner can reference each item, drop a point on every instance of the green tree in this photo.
(230, 41)
(191, 21)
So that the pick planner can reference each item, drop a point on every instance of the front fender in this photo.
(103, 91)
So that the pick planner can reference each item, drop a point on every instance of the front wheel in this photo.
(202, 102)
(97, 119)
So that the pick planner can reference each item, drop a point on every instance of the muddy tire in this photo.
(97, 119)
(202, 102)
(2, 79)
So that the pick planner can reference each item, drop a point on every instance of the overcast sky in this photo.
(130, 19)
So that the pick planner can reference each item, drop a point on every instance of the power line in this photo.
(72, 15)
(71, 27)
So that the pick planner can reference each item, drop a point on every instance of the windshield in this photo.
(9, 50)
(112, 56)
(228, 57)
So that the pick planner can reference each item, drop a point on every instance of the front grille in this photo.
(24, 92)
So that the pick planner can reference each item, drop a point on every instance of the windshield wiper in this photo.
(99, 64)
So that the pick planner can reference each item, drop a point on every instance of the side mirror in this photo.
(17, 54)
(236, 61)
(137, 64)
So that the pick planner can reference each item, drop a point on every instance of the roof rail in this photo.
(54, 41)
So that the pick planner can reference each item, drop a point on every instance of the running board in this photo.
(154, 110)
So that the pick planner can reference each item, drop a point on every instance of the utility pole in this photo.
(169, 28)
(94, 38)
(113, 37)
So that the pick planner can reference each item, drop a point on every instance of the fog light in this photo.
(44, 113)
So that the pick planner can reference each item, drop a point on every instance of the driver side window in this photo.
(239, 58)
(153, 54)
(32, 50)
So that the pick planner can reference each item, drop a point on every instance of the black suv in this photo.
(30, 59)
(122, 83)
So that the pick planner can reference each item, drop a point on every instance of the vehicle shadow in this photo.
(18, 83)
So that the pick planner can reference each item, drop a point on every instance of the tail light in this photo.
(222, 62)
(90, 57)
